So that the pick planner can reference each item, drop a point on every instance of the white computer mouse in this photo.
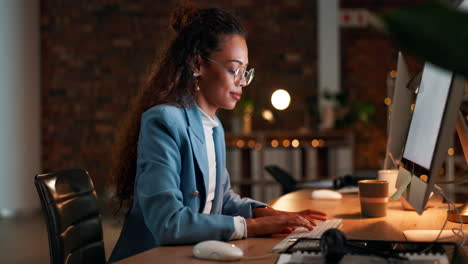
(324, 194)
(217, 250)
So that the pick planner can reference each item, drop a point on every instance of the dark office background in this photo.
(95, 56)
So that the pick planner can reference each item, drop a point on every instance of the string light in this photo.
(240, 143)
(321, 142)
(315, 143)
(274, 143)
(295, 143)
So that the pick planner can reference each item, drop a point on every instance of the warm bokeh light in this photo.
(295, 143)
(258, 146)
(424, 178)
(451, 151)
(268, 115)
(321, 142)
(286, 143)
(315, 143)
(251, 143)
(441, 172)
(387, 101)
(393, 73)
(240, 143)
(280, 99)
(412, 107)
(274, 143)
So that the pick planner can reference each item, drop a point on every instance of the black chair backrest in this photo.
(287, 182)
(72, 217)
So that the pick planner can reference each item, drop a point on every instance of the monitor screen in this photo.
(427, 115)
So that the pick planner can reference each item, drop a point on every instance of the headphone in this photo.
(334, 246)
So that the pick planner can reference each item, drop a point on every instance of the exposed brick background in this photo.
(367, 58)
(95, 55)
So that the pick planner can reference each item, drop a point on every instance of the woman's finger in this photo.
(305, 222)
(315, 212)
(312, 221)
(287, 230)
(317, 217)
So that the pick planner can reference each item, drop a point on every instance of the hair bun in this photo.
(182, 16)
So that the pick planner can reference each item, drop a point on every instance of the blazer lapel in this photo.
(197, 139)
(218, 138)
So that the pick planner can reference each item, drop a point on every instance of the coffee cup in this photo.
(373, 195)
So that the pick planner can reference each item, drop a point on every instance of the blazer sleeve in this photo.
(234, 205)
(158, 191)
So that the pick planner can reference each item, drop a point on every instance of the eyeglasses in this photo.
(239, 74)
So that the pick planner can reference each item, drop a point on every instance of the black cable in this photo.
(456, 231)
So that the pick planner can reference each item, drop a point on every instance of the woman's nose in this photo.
(243, 82)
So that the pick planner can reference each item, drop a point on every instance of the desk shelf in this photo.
(306, 156)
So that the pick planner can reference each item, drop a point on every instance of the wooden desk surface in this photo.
(348, 209)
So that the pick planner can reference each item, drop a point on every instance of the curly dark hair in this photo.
(199, 33)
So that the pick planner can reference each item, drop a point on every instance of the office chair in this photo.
(287, 182)
(72, 217)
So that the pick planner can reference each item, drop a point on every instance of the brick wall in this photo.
(367, 58)
(95, 55)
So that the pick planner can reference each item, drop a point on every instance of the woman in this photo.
(171, 166)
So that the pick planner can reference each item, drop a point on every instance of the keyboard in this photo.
(317, 232)
(316, 257)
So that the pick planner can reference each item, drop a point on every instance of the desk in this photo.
(348, 208)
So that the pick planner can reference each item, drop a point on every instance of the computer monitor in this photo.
(431, 128)
(399, 115)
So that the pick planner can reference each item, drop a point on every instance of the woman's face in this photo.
(217, 86)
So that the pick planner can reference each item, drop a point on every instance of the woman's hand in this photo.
(276, 224)
(311, 215)
(271, 221)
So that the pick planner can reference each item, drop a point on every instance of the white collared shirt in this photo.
(240, 226)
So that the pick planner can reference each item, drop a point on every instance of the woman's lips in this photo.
(236, 96)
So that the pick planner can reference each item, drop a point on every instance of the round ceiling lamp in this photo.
(280, 99)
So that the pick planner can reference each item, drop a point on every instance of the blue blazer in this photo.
(171, 185)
